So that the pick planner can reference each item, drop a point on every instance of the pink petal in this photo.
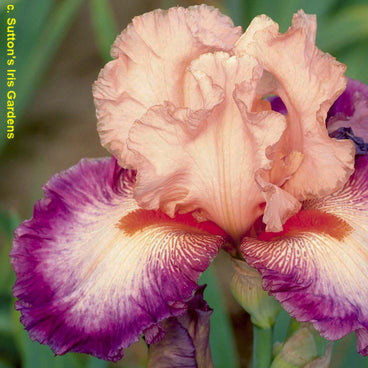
(94, 272)
(207, 159)
(308, 81)
(317, 267)
(151, 56)
(280, 205)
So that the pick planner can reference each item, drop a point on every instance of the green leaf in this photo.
(104, 26)
(31, 18)
(281, 327)
(355, 57)
(96, 363)
(5, 365)
(33, 65)
(8, 352)
(8, 222)
(166, 4)
(58, 24)
(345, 355)
(35, 355)
(5, 321)
(222, 340)
(349, 25)
(237, 10)
(314, 6)
(281, 11)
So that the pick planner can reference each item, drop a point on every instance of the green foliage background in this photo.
(42, 26)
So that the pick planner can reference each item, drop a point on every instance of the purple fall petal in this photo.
(85, 284)
(345, 103)
(318, 266)
(348, 116)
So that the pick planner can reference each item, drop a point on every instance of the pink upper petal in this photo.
(308, 81)
(280, 205)
(192, 121)
(151, 56)
(317, 267)
(207, 159)
(94, 271)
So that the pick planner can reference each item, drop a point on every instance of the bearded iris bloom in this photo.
(203, 158)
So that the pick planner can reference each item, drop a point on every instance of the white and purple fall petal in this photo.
(88, 278)
(317, 267)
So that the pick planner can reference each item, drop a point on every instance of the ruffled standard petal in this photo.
(186, 343)
(94, 272)
(151, 56)
(207, 158)
(318, 266)
(308, 82)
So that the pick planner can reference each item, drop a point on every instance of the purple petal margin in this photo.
(318, 267)
(86, 285)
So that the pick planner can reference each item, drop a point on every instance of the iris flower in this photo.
(219, 140)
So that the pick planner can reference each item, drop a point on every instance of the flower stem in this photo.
(262, 347)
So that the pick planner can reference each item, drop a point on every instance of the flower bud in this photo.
(323, 361)
(301, 350)
(246, 285)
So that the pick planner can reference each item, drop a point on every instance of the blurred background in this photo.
(60, 47)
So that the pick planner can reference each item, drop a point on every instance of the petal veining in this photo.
(84, 283)
(317, 267)
(151, 56)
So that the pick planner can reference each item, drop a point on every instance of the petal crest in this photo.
(85, 283)
(318, 266)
